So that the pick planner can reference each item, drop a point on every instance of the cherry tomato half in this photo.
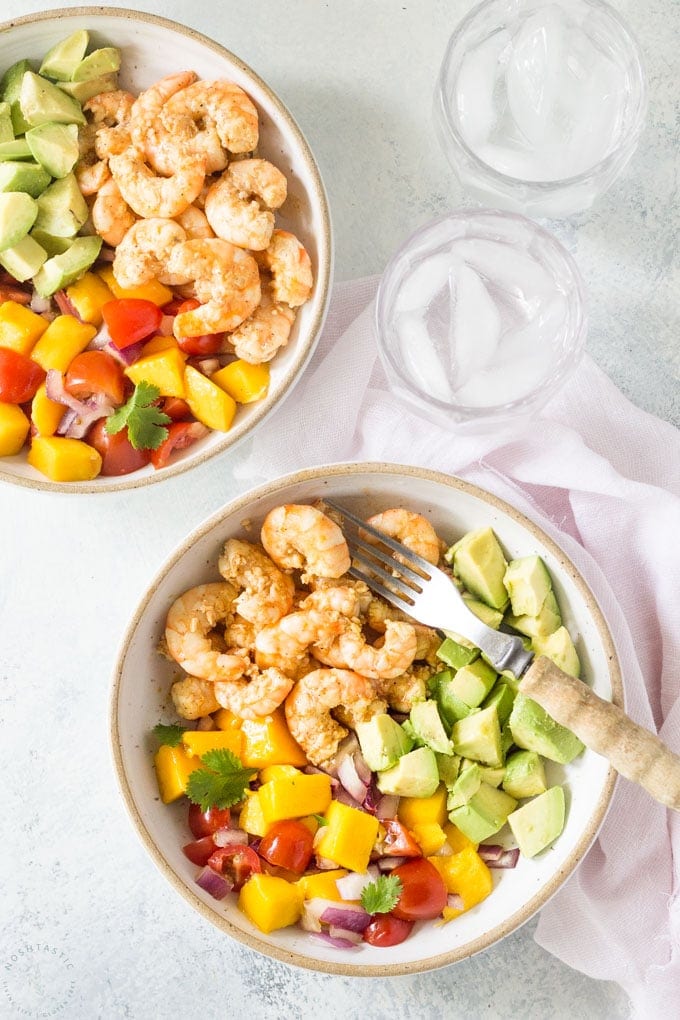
(176, 408)
(180, 435)
(200, 851)
(19, 377)
(178, 304)
(131, 319)
(288, 844)
(206, 343)
(237, 863)
(387, 930)
(423, 893)
(398, 841)
(204, 823)
(95, 372)
(119, 456)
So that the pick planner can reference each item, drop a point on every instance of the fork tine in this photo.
(357, 545)
(413, 558)
(403, 588)
(387, 593)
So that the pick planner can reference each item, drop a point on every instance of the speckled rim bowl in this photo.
(153, 47)
(139, 700)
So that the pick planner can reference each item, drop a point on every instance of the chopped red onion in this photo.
(129, 354)
(349, 777)
(346, 798)
(446, 850)
(101, 338)
(390, 863)
(354, 937)
(350, 918)
(508, 859)
(312, 770)
(82, 413)
(348, 746)
(212, 883)
(324, 863)
(230, 837)
(455, 901)
(373, 797)
(65, 305)
(387, 806)
(335, 942)
(351, 885)
(365, 774)
(312, 911)
(205, 365)
(490, 851)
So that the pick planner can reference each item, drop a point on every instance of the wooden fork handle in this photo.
(633, 751)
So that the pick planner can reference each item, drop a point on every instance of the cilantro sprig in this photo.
(221, 782)
(170, 735)
(381, 896)
(145, 422)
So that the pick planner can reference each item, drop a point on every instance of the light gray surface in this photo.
(89, 927)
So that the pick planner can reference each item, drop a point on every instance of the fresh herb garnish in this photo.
(170, 735)
(222, 781)
(145, 422)
(320, 820)
(381, 896)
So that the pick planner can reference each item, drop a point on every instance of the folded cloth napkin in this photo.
(603, 478)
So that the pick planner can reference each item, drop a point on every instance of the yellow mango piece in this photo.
(270, 772)
(160, 343)
(20, 328)
(88, 295)
(242, 381)
(151, 291)
(270, 902)
(267, 741)
(321, 885)
(429, 836)
(208, 402)
(466, 875)
(45, 413)
(173, 768)
(295, 796)
(14, 426)
(165, 369)
(62, 340)
(64, 460)
(349, 836)
(251, 818)
(456, 839)
(226, 720)
(199, 742)
(414, 811)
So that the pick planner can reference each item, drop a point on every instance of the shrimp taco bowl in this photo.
(150, 48)
(141, 700)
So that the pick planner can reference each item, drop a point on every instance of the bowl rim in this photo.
(253, 941)
(323, 279)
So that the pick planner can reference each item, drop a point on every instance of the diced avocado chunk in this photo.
(484, 814)
(536, 824)
(28, 177)
(454, 654)
(60, 270)
(62, 210)
(10, 90)
(534, 730)
(42, 102)
(473, 682)
(507, 739)
(427, 726)
(451, 707)
(61, 61)
(524, 775)
(6, 129)
(503, 697)
(478, 736)
(560, 648)
(547, 621)
(24, 259)
(84, 90)
(16, 149)
(479, 562)
(493, 776)
(17, 215)
(52, 245)
(382, 742)
(465, 786)
(414, 775)
(491, 617)
(103, 61)
(448, 765)
(55, 146)
(528, 582)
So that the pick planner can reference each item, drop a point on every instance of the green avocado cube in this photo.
(484, 814)
(414, 775)
(546, 622)
(479, 562)
(560, 648)
(455, 654)
(473, 682)
(465, 786)
(528, 582)
(524, 775)
(534, 730)
(427, 726)
(491, 617)
(478, 736)
(382, 741)
(539, 822)
(503, 697)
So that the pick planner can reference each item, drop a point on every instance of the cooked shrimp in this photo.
(91, 172)
(291, 268)
(240, 633)
(427, 639)
(239, 205)
(188, 627)
(252, 698)
(350, 650)
(267, 593)
(150, 195)
(193, 697)
(298, 536)
(226, 282)
(403, 691)
(411, 529)
(112, 217)
(193, 220)
(263, 333)
(143, 252)
(221, 105)
(309, 705)
(110, 112)
(318, 621)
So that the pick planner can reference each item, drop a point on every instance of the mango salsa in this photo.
(62, 340)
(164, 369)
(413, 811)
(466, 875)
(14, 426)
(295, 796)
(199, 742)
(20, 328)
(267, 741)
(270, 902)
(88, 295)
(45, 413)
(173, 768)
(208, 402)
(251, 818)
(322, 885)
(349, 836)
(242, 381)
(151, 291)
(64, 460)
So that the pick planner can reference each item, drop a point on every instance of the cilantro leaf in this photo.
(144, 420)
(170, 735)
(221, 783)
(381, 896)
(320, 820)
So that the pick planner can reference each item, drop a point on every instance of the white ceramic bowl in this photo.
(140, 700)
(152, 47)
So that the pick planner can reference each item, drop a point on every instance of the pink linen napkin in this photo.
(603, 478)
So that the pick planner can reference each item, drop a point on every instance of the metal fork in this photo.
(429, 595)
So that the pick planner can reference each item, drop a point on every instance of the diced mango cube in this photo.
(267, 741)
(173, 768)
(14, 426)
(64, 460)
(430, 837)
(349, 837)
(270, 772)
(322, 885)
(208, 402)
(251, 818)
(242, 381)
(456, 839)
(226, 720)
(45, 413)
(466, 875)
(414, 811)
(65, 337)
(20, 328)
(199, 742)
(160, 343)
(270, 902)
(151, 291)
(88, 295)
(295, 796)
(165, 369)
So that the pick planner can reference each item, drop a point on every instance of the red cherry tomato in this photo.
(206, 343)
(204, 823)
(19, 377)
(288, 844)
(200, 851)
(131, 319)
(179, 304)
(237, 863)
(180, 435)
(398, 841)
(119, 456)
(423, 893)
(387, 930)
(95, 372)
(176, 408)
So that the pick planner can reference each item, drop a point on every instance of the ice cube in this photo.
(524, 165)
(534, 70)
(503, 383)
(475, 325)
(475, 86)
(509, 268)
(423, 283)
(540, 335)
(419, 357)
